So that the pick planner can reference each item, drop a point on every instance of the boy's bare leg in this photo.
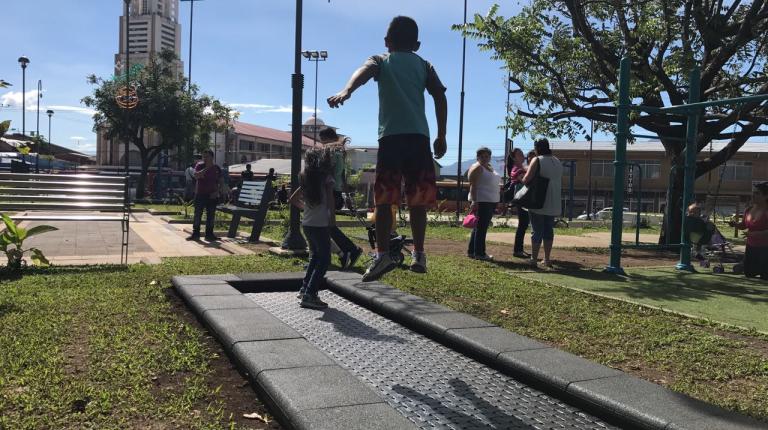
(418, 227)
(383, 226)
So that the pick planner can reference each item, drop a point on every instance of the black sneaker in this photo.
(378, 268)
(211, 238)
(522, 254)
(193, 236)
(312, 302)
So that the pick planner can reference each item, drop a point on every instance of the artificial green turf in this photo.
(728, 298)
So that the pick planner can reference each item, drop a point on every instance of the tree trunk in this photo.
(141, 184)
(672, 221)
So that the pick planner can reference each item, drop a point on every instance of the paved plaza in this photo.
(98, 242)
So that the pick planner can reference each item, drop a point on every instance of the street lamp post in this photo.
(50, 139)
(589, 170)
(191, 18)
(23, 61)
(317, 57)
(37, 133)
(461, 117)
(294, 240)
(507, 146)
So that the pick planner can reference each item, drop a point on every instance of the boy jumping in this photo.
(404, 153)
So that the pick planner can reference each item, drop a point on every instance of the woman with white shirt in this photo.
(543, 220)
(484, 194)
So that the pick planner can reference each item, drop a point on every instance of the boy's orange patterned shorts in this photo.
(405, 158)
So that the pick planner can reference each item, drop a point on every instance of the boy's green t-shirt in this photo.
(402, 79)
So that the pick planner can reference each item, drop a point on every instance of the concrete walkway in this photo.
(589, 240)
(88, 242)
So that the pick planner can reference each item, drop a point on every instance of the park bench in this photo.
(252, 202)
(60, 197)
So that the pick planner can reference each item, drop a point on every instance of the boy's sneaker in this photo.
(301, 292)
(312, 302)
(378, 268)
(484, 257)
(418, 262)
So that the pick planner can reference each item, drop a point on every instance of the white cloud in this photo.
(262, 108)
(76, 109)
(13, 99)
(77, 138)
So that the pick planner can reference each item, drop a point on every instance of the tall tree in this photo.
(183, 120)
(563, 56)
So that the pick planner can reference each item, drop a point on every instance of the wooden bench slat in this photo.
(60, 191)
(66, 218)
(60, 206)
(85, 198)
(59, 184)
(63, 177)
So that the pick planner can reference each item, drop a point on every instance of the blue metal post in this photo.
(690, 170)
(622, 132)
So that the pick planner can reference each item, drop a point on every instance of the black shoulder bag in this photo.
(533, 194)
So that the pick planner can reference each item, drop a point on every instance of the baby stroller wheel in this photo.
(397, 257)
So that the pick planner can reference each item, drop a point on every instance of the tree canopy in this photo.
(181, 117)
(563, 58)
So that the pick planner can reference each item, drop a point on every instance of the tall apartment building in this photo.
(153, 26)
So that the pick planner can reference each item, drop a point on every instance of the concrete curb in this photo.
(303, 386)
(615, 395)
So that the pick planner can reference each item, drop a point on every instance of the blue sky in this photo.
(243, 55)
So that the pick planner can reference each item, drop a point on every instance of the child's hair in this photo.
(317, 166)
(762, 187)
(328, 135)
(531, 154)
(541, 146)
(483, 150)
(694, 209)
(403, 34)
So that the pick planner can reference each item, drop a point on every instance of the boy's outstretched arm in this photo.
(441, 114)
(360, 77)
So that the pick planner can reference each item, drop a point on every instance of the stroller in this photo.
(398, 243)
(709, 244)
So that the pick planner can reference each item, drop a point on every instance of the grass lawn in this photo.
(724, 366)
(728, 298)
(105, 347)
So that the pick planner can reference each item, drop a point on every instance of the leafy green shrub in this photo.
(15, 236)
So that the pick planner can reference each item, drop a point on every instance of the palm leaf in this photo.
(39, 229)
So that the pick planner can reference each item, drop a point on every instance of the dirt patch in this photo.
(76, 352)
(565, 258)
(234, 390)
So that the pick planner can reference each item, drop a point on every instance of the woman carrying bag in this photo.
(549, 167)
(484, 195)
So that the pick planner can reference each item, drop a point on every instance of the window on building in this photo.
(602, 168)
(651, 168)
(246, 145)
(737, 171)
